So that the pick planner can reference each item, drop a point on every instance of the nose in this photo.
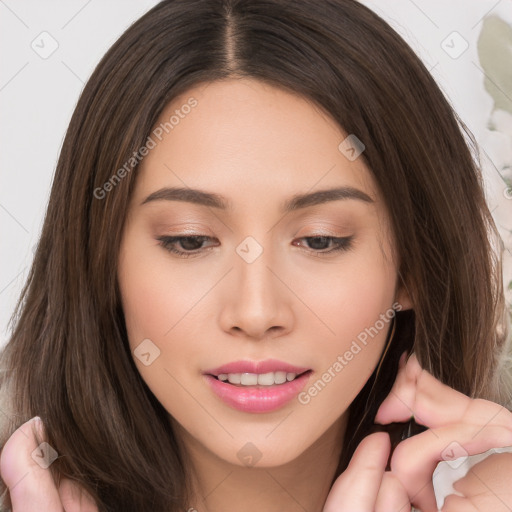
(257, 304)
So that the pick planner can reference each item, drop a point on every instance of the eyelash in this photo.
(168, 243)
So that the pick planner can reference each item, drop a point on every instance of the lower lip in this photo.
(258, 399)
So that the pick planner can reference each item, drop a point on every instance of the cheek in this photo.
(157, 297)
(364, 296)
(350, 297)
(161, 308)
(354, 303)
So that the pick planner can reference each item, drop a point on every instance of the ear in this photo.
(402, 295)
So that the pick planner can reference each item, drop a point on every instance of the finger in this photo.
(74, 498)
(411, 385)
(415, 459)
(416, 393)
(454, 503)
(392, 496)
(356, 489)
(22, 466)
(487, 483)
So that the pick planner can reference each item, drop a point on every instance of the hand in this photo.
(457, 425)
(486, 487)
(365, 486)
(32, 487)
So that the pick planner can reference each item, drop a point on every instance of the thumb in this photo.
(24, 466)
(357, 488)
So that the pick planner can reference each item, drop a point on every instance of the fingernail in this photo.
(38, 422)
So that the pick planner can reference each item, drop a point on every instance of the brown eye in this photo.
(332, 244)
(190, 245)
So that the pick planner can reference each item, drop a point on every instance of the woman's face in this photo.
(267, 281)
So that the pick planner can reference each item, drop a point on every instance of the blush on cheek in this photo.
(361, 323)
(151, 305)
(360, 307)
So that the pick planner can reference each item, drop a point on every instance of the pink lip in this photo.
(257, 399)
(267, 366)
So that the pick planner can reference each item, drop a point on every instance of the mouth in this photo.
(257, 387)
(258, 380)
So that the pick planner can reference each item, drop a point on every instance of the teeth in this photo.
(253, 379)
(248, 379)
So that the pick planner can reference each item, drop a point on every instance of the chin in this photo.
(262, 452)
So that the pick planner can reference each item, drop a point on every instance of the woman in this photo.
(260, 211)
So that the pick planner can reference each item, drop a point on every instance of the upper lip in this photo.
(267, 366)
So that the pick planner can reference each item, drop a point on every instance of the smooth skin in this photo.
(258, 146)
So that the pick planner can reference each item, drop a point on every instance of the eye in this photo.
(191, 245)
(319, 243)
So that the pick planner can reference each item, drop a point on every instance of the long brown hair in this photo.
(68, 359)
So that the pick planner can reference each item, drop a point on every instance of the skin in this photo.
(258, 146)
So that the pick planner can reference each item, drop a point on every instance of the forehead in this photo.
(243, 134)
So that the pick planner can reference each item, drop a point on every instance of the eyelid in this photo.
(336, 232)
(183, 229)
(165, 240)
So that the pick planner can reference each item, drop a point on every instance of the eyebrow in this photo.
(296, 202)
